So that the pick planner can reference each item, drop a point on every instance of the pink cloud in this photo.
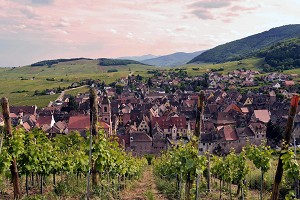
(211, 4)
(203, 14)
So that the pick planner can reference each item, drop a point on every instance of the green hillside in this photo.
(112, 62)
(20, 83)
(248, 46)
(284, 55)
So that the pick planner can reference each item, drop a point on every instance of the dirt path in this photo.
(143, 189)
(62, 94)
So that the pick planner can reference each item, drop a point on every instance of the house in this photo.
(45, 122)
(261, 116)
(144, 125)
(60, 127)
(276, 85)
(171, 125)
(23, 110)
(289, 83)
(81, 123)
(248, 83)
(140, 143)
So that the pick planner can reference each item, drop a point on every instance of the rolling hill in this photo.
(138, 58)
(248, 46)
(172, 60)
(284, 55)
(113, 62)
(20, 83)
(102, 62)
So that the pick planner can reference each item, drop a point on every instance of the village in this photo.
(148, 115)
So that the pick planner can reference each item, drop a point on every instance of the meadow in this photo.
(20, 83)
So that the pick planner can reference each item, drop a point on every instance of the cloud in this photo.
(22, 26)
(211, 4)
(42, 2)
(29, 12)
(129, 35)
(203, 14)
(243, 8)
(61, 31)
(34, 2)
(114, 31)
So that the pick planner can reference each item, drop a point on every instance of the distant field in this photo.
(19, 84)
(76, 91)
(250, 63)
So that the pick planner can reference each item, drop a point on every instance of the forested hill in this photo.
(282, 56)
(109, 62)
(56, 61)
(248, 46)
(102, 62)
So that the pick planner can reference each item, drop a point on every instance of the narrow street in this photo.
(143, 189)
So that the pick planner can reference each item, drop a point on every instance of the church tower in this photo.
(106, 110)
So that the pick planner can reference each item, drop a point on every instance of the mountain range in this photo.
(138, 58)
(171, 60)
(248, 46)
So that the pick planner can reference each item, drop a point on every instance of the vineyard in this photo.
(32, 163)
(58, 166)
(251, 173)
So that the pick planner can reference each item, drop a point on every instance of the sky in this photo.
(35, 30)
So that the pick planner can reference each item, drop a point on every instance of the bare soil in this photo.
(143, 189)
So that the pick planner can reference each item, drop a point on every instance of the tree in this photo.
(149, 83)
(73, 105)
(274, 132)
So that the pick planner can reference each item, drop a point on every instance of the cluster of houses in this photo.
(147, 120)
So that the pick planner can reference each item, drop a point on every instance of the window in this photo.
(131, 138)
(105, 108)
(105, 118)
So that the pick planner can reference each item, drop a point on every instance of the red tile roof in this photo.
(230, 133)
(44, 120)
(82, 122)
(140, 137)
(25, 109)
(166, 122)
(262, 115)
(225, 118)
(79, 122)
(233, 107)
(289, 83)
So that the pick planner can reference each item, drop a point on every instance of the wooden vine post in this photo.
(200, 110)
(287, 140)
(8, 133)
(94, 131)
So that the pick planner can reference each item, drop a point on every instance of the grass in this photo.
(76, 91)
(29, 79)
(250, 63)
(149, 194)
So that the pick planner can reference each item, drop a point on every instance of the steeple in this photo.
(105, 113)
